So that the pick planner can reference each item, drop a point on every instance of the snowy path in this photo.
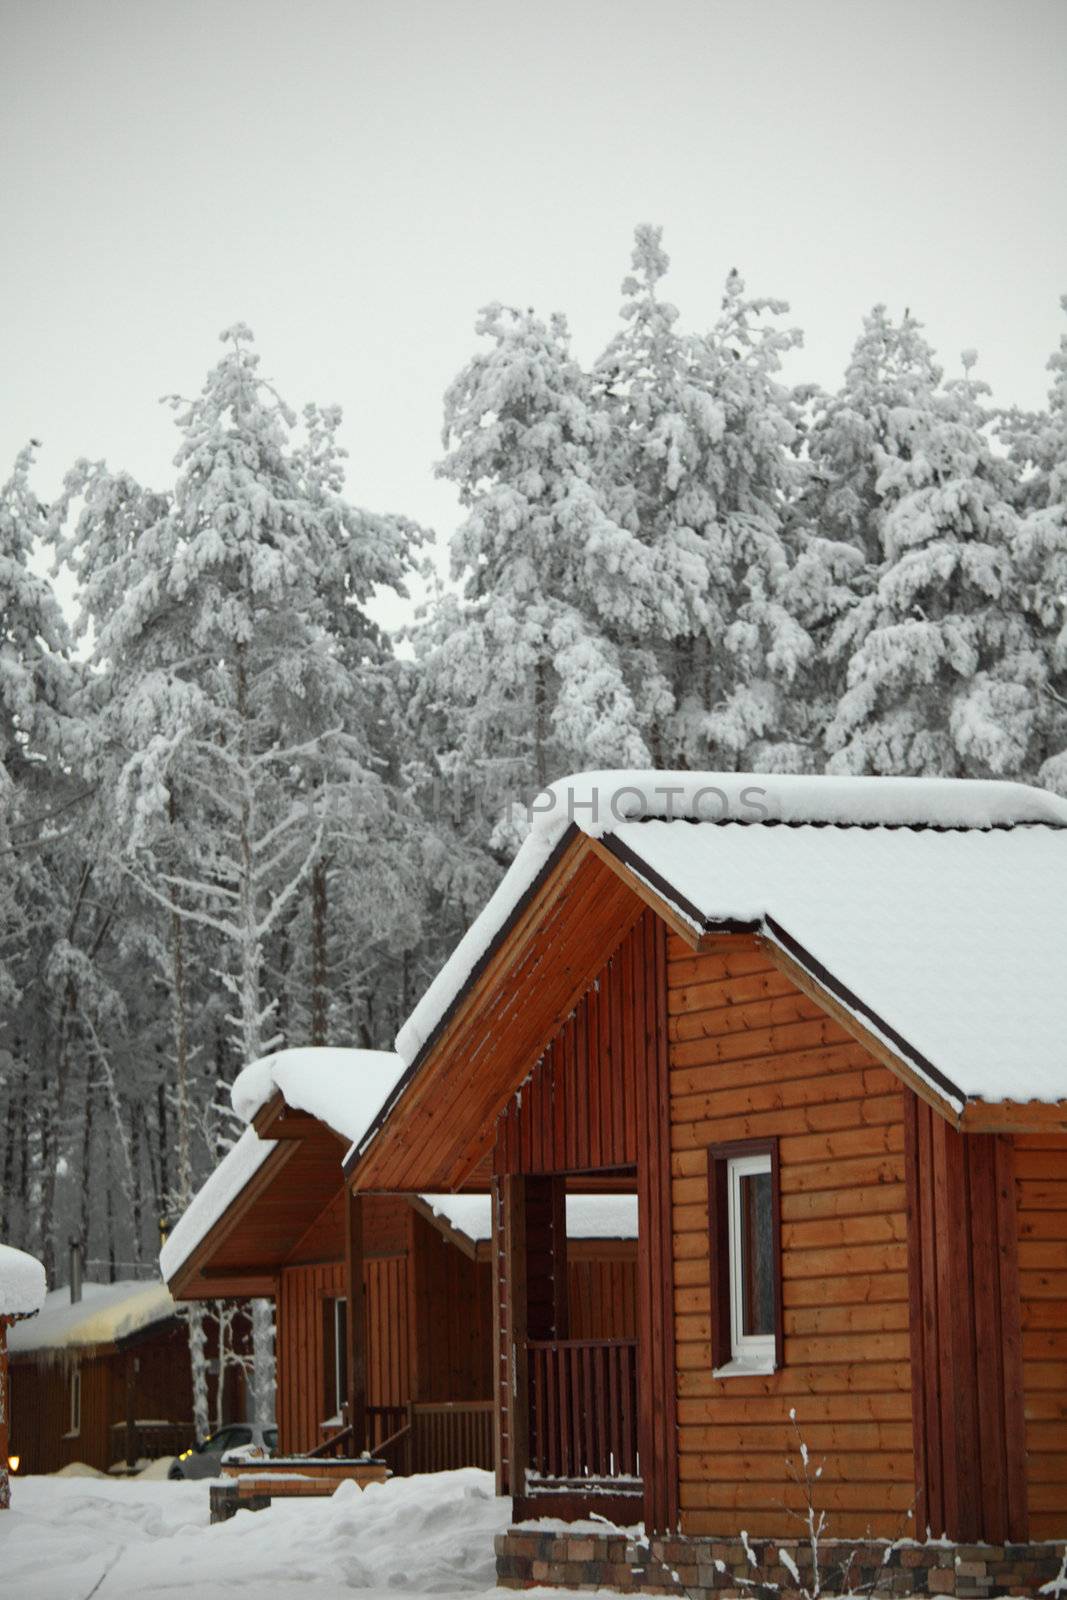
(72, 1538)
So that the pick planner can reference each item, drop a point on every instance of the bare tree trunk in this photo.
(251, 954)
(195, 1316)
(319, 965)
(87, 1151)
(137, 1184)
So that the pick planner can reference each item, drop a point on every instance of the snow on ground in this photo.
(428, 1535)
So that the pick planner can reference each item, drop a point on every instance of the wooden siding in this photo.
(40, 1400)
(965, 1337)
(598, 1100)
(580, 1108)
(1041, 1195)
(514, 1003)
(303, 1304)
(451, 1316)
(753, 1057)
(602, 1289)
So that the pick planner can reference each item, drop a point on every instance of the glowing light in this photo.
(13, 1463)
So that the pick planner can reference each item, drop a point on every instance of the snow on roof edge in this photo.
(341, 1087)
(215, 1196)
(106, 1313)
(597, 802)
(23, 1285)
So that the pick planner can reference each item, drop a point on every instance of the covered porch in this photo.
(571, 1389)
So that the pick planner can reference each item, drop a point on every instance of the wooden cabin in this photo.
(822, 1030)
(102, 1379)
(383, 1304)
(22, 1294)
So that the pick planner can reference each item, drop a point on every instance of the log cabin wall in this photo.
(1040, 1169)
(752, 1057)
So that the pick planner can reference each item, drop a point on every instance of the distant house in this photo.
(820, 1025)
(22, 1294)
(384, 1309)
(98, 1376)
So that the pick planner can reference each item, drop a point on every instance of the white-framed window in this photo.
(750, 1223)
(744, 1236)
(75, 1402)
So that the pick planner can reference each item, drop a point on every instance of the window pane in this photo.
(757, 1310)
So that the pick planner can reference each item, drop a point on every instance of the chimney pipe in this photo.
(75, 1271)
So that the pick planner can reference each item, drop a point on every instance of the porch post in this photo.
(560, 1310)
(131, 1410)
(515, 1269)
(5, 1489)
(356, 1356)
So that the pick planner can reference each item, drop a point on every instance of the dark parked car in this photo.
(204, 1460)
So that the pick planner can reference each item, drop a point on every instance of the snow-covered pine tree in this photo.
(40, 742)
(941, 673)
(1038, 447)
(658, 472)
(523, 669)
(735, 685)
(839, 515)
(229, 700)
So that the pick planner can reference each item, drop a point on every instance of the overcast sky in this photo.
(354, 178)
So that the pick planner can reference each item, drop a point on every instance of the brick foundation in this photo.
(710, 1569)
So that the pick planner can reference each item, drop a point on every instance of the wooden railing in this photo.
(583, 1408)
(453, 1433)
(140, 1441)
(438, 1437)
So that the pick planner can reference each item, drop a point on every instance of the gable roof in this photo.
(334, 1094)
(949, 945)
(906, 905)
(105, 1314)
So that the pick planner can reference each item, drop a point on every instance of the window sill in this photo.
(745, 1369)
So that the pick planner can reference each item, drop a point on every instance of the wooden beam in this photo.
(354, 1331)
(496, 1250)
(237, 1284)
(682, 926)
(515, 1277)
(1014, 1116)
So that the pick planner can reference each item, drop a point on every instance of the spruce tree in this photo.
(940, 673)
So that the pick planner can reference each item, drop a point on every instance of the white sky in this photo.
(354, 178)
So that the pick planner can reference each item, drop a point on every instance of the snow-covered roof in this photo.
(589, 1216)
(22, 1283)
(939, 904)
(342, 1088)
(106, 1312)
(217, 1194)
